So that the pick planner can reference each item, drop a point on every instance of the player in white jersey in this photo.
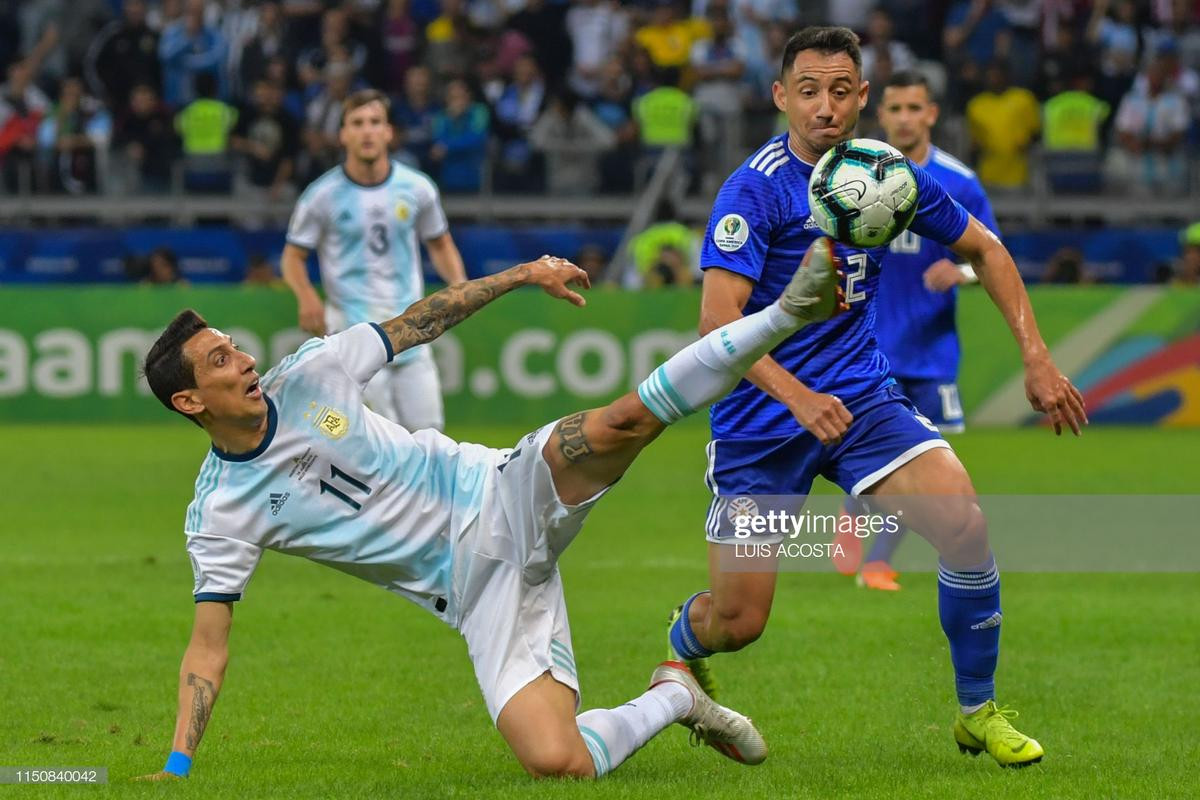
(364, 218)
(469, 533)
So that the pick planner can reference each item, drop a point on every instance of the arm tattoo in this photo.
(202, 702)
(572, 442)
(427, 319)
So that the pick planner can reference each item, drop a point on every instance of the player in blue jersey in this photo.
(823, 402)
(471, 534)
(918, 294)
(367, 218)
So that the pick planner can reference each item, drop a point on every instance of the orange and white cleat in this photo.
(878, 575)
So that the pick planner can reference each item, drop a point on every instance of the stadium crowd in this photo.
(146, 96)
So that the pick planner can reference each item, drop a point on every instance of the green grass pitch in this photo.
(336, 689)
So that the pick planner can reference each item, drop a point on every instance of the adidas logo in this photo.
(991, 622)
(810, 224)
(278, 499)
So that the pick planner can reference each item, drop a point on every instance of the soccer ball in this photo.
(862, 193)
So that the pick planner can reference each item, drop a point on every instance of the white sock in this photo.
(972, 709)
(614, 734)
(705, 371)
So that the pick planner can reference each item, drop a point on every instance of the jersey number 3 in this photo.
(377, 240)
(350, 481)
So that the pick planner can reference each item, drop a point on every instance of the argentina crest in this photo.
(331, 422)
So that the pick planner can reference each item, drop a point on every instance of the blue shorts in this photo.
(937, 400)
(887, 433)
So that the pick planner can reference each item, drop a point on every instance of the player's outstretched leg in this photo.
(590, 450)
(939, 502)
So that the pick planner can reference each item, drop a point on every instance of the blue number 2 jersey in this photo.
(915, 326)
(760, 227)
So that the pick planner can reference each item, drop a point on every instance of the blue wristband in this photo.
(178, 764)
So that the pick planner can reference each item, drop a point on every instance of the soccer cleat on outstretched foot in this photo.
(989, 729)
(813, 295)
(700, 668)
(723, 729)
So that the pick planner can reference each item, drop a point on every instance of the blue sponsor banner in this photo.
(221, 254)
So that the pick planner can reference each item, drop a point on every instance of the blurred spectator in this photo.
(22, 106)
(718, 65)
(268, 42)
(1184, 29)
(1063, 60)
(460, 136)
(668, 38)
(401, 44)
(972, 30)
(592, 259)
(850, 14)
(1003, 122)
(545, 24)
(515, 111)
(267, 137)
(665, 254)
(188, 49)
(1150, 128)
(598, 29)
(159, 268)
(1019, 44)
(572, 137)
(204, 126)
(613, 107)
(145, 138)
(1074, 119)
(336, 45)
(665, 115)
(450, 42)
(73, 24)
(1066, 266)
(260, 272)
(1118, 39)
(70, 136)
(1180, 78)
(1072, 124)
(880, 43)
(413, 115)
(323, 120)
(123, 54)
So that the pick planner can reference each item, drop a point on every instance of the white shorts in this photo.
(409, 393)
(509, 591)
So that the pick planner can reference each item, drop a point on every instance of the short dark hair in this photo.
(166, 368)
(363, 97)
(910, 77)
(827, 40)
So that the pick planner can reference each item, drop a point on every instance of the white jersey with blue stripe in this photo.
(915, 326)
(367, 239)
(338, 484)
(760, 229)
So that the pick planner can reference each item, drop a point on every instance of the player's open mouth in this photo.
(254, 391)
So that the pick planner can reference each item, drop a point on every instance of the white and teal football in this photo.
(862, 193)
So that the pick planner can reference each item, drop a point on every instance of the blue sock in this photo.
(884, 544)
(969, 607)
(683, 638)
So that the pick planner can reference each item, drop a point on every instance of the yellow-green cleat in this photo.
(701, 671)
(990, 729)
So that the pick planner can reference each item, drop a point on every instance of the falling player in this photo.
(469, 533)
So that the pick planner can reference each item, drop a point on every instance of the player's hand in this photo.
(159, 776)
(555, 275)
(312, 316)
(822, 415)
(942, 276)
(1052, 393)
